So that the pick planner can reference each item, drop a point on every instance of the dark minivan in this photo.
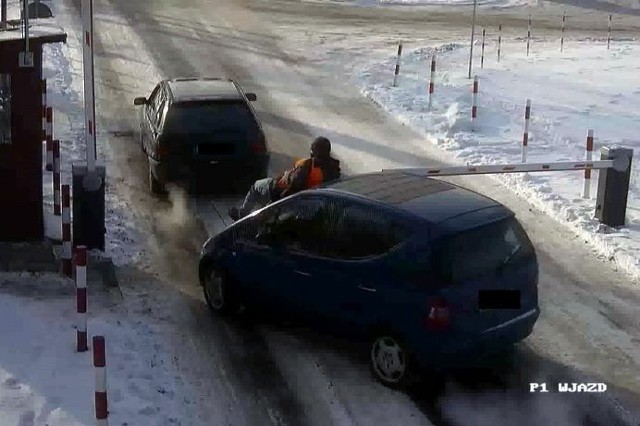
(203, 129)
(430, 273)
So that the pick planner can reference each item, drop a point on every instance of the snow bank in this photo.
(44, 381)
(584, 87)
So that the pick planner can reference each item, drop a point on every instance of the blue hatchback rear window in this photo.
(481, 251)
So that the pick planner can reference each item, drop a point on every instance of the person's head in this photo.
(320, 148)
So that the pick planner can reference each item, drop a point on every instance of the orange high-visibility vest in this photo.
(314, 178)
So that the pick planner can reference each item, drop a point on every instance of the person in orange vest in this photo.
(318, 168)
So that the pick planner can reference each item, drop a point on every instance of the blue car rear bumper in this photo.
(464, 351)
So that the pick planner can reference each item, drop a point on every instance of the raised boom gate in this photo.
(613, 179)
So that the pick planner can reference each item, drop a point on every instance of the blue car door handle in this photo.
(306, 274)
(365, 288)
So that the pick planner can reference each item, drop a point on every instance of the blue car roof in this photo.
(430, 199)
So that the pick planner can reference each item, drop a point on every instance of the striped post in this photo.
(397, 71)
(66, 232)
(564, 19)
(49, 137)
(482, 51)
(431, 79)
(100, 365)
(609, 33)
(525, 137)
(528, 35)
(474, 105)
(587, 172)
(56, 177)
(81, 297)
(499, 40)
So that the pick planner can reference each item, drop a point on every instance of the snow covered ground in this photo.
(44, 381)
(584, 87)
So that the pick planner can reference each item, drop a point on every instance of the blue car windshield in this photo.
(483, 250)
(206, 118)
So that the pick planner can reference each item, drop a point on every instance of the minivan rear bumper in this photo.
(255, 167)
(463, 350)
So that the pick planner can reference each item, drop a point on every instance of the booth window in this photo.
(5, 109)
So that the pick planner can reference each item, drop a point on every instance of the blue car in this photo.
(429, 273)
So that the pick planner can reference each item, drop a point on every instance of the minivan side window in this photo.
(481, 251)
(366, 231)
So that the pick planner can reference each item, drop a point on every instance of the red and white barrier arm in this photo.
(587, 173)
(81, 298)
(397, 70)
(509, 168)
(56, 177)
(100, 365)
(66, 232)
(525, 137)
(432, 79)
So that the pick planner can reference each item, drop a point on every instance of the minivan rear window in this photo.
(203, 118)
(481, 251)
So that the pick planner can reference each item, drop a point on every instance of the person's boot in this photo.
(234, 213)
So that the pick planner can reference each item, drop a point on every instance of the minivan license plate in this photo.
(499, 299)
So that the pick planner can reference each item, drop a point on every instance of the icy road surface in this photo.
(241, 373)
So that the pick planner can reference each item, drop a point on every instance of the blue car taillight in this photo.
(438, 315)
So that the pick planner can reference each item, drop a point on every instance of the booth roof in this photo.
(40, 30)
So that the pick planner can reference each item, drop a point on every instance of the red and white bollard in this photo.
(66, 232)
(587, 172)
(100, 365)
(49, 137)
(81, 298)
(432, 79)
(56, 177)
(482, 52)
(525, 137)
(474, 105)
(564, 19)
(528, 35)
(499, 40)
(397, 71)
(609, 33)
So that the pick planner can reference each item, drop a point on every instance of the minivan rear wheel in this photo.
(390, 361)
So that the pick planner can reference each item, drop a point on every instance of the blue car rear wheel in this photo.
(390, 362)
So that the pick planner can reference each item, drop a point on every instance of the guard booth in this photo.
(21, 203)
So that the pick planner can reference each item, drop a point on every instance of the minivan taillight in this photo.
(259, 146)
(438, 315)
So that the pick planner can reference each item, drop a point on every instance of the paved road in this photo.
(290, 376)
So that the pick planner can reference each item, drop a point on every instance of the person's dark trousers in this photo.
(259, 195)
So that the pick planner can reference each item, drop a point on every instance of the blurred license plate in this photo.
(499, 299)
